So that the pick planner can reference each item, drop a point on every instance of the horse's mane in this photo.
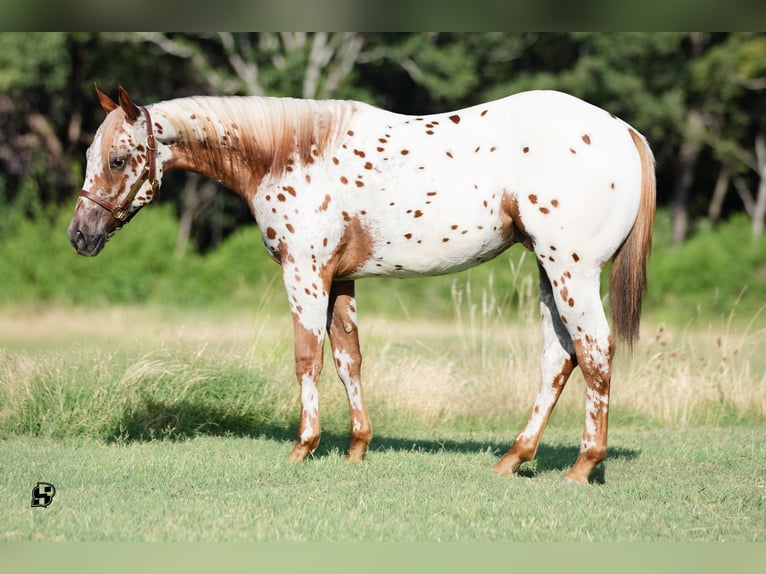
(266, 132)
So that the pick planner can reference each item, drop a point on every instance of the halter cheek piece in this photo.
(121, 212)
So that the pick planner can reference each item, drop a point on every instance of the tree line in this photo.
(697, 96)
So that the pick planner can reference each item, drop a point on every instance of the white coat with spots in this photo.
(343, 190)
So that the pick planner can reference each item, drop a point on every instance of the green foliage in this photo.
(30, 59)
(38, 264)
(717, 270)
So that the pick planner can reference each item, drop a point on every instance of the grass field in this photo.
(175, 426)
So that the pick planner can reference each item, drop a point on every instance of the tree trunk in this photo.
(198, 194)
(759, 209)
(687, 161)
(719, 194)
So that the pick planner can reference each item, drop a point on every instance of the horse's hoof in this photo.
(574, 482)
(298, 454)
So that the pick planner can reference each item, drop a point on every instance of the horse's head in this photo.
(122, 175)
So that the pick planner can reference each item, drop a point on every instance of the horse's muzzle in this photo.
(85, 244)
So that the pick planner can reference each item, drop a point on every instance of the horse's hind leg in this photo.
(557, 362)
(594, 347)
(344, 341)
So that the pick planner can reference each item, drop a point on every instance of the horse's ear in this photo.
(131, 110)
(107, 103)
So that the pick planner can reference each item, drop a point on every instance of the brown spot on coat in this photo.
(586, 139)
(455, 118)
(532, 198)
(271, 233)
(575, 257)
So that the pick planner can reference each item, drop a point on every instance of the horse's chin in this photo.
(85, 244)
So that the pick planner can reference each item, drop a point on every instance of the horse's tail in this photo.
(627, 282)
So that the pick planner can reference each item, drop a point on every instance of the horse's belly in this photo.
(434, 250)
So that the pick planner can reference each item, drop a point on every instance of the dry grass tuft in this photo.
(69, 372)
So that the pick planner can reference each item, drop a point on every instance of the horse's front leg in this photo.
(309, 309)
(344, 340)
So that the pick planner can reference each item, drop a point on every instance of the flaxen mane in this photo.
(266, 132)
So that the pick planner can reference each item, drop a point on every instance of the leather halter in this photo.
(121, 212)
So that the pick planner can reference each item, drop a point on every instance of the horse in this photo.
(343, 190)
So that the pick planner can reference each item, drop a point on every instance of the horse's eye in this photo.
(117, 162)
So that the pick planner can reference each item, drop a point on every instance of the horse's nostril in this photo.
(78, 240)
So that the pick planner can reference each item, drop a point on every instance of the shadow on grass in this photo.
(157, 419)
(154, 419)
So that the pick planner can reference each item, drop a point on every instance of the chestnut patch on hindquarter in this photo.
(511, 225)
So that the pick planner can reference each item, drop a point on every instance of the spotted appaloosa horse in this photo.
(343, 190)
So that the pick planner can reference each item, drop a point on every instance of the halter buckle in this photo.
(120, 214)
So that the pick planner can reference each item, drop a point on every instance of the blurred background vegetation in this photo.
(698, 97)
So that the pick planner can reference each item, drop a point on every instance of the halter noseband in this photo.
(121, 212)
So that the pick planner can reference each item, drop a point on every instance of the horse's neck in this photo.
(238, 140)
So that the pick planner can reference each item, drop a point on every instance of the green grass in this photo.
(664, 485)
(175, 426)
